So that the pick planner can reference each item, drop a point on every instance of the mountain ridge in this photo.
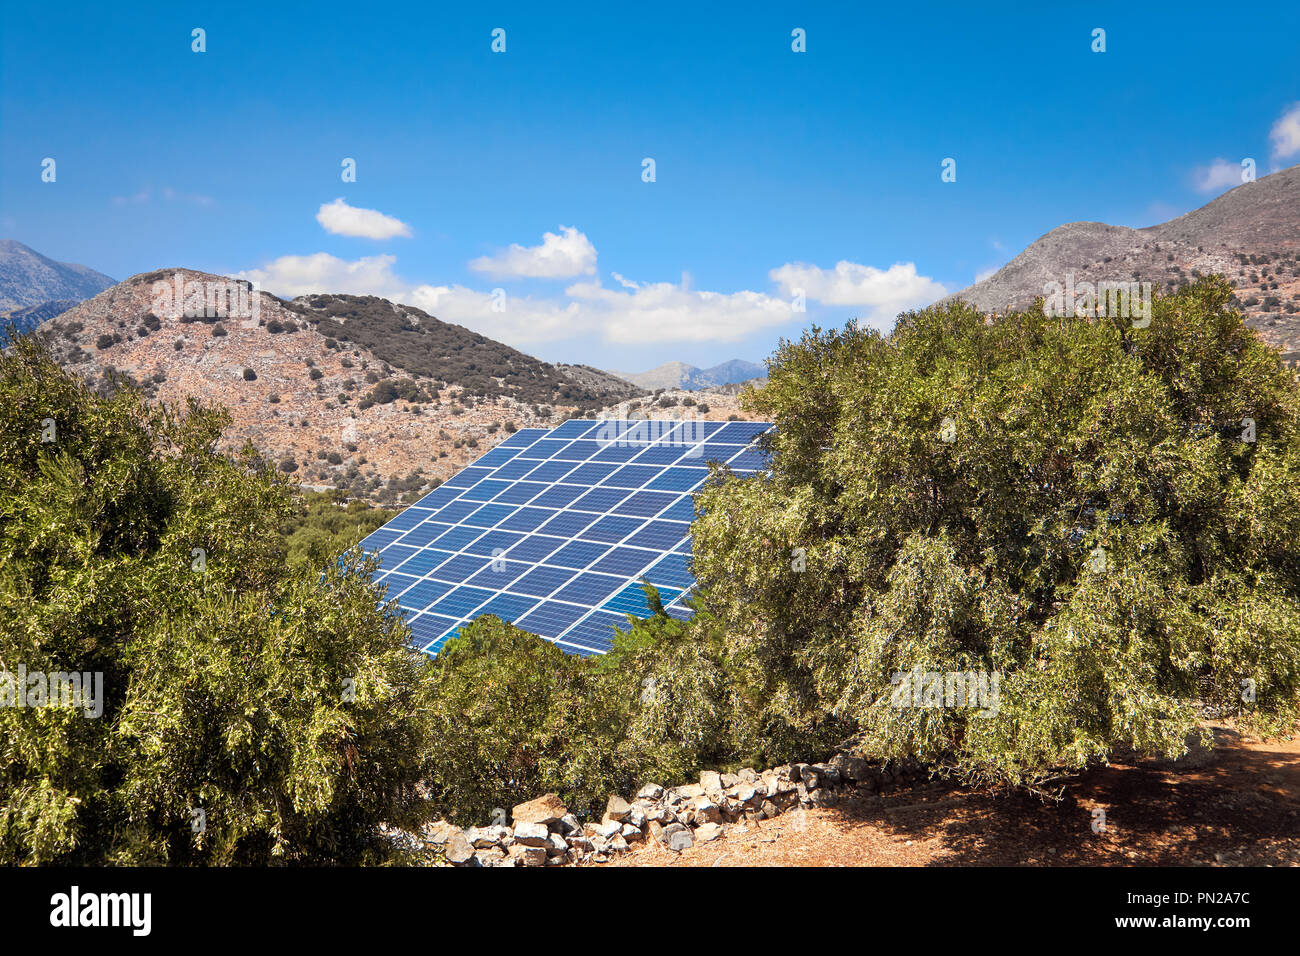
(689, 377)
(1251, 234)
(28, 278)
(355, 392)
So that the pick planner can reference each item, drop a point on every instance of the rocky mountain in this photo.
(1250, 234)
(29, 317)
(683, 376)
(28, 278)
(343, 391)
(416, 342)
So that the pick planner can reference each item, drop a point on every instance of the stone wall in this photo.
(545, 833)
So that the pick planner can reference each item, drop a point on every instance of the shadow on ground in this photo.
(1239, 805)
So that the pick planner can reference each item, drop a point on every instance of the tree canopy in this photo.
(1105, 517)
(1099, 522)
(250, 713)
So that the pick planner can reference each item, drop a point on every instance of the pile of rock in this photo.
(545, 833)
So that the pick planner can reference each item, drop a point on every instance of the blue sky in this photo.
(774, 170)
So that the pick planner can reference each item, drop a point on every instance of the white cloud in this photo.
(664, 311)
(1218, 175)
(344, 220)
(558, 257)
(884, 293)
(145, 195)
(290, 276)
(142, 196)
(625, 312)
(632, 314)
(986, 273)
(173, 195)
(522, 321)
(1285, 134)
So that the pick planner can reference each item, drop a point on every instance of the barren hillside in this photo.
(343, 391)
(1250, 234)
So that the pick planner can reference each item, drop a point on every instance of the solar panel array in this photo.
(553, 530)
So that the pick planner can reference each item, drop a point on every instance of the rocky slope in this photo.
(31, 316)
(412, 340)
(1251, 234)
(328, 409)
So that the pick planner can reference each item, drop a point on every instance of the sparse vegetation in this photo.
(415, 342)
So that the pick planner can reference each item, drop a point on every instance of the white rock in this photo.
(458, 849)
(528, 855)
(531, 834)
(677, 837)
(708, 833)
(490, 856)
(607, 830)
(581, 844)
(483, 837)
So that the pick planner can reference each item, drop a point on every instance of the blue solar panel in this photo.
(459, 568)
(677, 479)
(577, 554)
(629, 562)
(500, 574)
(425, 533)
(423, 594)
(550, 471)
(424, 562)
(469, 476)
(551, 618)
(462, 601)
(515, 469)
(591, 473)
(574, 428)
(527, 519)
(534, 548)
(740, 433)
(554, 530)
(509, 607)
(435, 499)
(646, 504)
(393, 555)
(398, 583)
(494, 542)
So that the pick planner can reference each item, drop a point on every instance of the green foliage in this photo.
(1096, 531)
(284, 707)
(515, 716)
(326, 524)
(669, 682)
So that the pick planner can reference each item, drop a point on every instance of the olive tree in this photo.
(1099, 519)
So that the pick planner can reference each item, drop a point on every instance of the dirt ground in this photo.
(1240, 807)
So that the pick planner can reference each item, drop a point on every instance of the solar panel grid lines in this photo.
(542, 532)
(650, 560)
